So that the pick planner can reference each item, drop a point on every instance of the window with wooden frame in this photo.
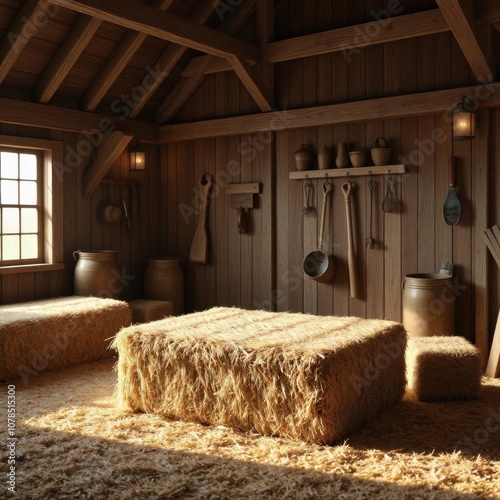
(30, 205)
(21, 206)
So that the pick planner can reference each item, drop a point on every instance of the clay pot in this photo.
(358, 157)
(303, 158)
(342, 158)
(324, 158)
(381, 152)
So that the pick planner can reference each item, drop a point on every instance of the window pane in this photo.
(10, 220)
(8, 162)
(10, 247)
(28, 193)
(9, 193)
(27, 167)
(29, 246)
(29, 220)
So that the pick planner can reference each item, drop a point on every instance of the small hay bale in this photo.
(312, 378)
(52, 334)
(443, 368)
(144, 311)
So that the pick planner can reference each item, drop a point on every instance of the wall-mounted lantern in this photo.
(137, 154)
(464, 120)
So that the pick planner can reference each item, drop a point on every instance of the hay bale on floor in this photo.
(144, 311)
(51, 334)
(443, 368)
(313, 378)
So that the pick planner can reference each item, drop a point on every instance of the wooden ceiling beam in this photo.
(56, 118)
(349, 38)
(109, 73)
(253, 84)
(424, 23)
(170, 57)
(459, 15)
(110, 149)
(187, 86)
(70, 51)
(418, 104)
(146, 19)
(25, 25)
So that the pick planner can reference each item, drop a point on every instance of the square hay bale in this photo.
(52, 334)
(311, 378)
(442, 368)
(144, 311)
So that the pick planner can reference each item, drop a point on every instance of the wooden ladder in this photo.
(492, 239)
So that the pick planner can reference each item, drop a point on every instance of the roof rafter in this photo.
(186, 87)
(66, 57)
(460, 16)
(25, 25)
(340, 39)
(170, 58)
(141, 17)
(108, 74)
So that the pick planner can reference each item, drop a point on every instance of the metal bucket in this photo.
(429, 305)
(97, 274)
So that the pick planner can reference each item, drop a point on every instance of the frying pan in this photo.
(318, 265)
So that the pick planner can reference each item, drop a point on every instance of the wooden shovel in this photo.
(452, 208)
(199, 247)
(353, 278)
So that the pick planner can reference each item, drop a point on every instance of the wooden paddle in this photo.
(199, 247)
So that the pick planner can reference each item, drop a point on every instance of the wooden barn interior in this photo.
(227, 92)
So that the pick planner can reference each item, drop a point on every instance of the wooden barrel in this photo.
(164, 280)
(429, 305)
(97, 274)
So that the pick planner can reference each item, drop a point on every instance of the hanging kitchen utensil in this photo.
(353, 279)
(370, 242)
(199, 247)
(389, 203)
(110, 213)
(451, 207)
(318, 265)
(308, 209)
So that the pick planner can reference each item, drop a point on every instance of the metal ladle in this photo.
(389, 203)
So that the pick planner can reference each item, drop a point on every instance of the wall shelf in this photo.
(344, 172)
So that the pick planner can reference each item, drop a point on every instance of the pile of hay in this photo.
(294, 375)
(51, 334)
(440, 368)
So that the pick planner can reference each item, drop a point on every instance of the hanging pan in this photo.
(318, 265)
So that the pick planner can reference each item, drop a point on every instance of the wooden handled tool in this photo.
(353, 279)
(199, 247)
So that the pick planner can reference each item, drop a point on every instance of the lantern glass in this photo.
(463, 121)
(137, 155)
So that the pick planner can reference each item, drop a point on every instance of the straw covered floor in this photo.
(293, 375)
(74, 442)
(51, 334)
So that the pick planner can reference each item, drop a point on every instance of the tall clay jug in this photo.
(429, 305)
(164, 280)
(342, 158)
(97, 274)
